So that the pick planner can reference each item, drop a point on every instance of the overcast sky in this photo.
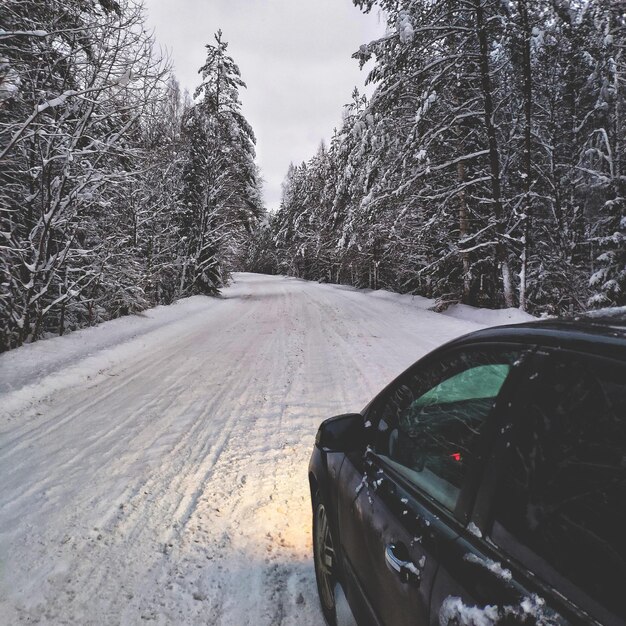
(294, 55)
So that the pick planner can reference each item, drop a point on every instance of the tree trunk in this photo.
(527, 204)
(463, 232)
(494, 156)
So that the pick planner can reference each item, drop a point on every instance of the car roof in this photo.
(603, 335)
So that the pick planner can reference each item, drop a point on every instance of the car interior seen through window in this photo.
(563, 491)
(429, 420)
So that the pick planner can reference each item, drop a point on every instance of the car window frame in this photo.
(512, 549)
(482, 447)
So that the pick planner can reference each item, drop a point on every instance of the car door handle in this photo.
(406, 570)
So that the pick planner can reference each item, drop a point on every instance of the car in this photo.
(484, 485)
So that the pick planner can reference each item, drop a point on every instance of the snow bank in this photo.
(65, 360)
(465, 312)
(488, 317)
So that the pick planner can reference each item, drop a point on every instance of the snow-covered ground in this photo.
(155, 468)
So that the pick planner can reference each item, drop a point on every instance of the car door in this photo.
(405, 501)
(551, 506)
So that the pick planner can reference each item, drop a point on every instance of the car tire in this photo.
(325, 561)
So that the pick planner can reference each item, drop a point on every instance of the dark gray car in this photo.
(485, 485)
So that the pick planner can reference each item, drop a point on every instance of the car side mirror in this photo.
(342, 433)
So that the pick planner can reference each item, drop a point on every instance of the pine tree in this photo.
(220, 186)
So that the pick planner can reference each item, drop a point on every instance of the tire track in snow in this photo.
(166, 489)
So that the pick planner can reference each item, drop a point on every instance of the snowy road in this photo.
(157, 471)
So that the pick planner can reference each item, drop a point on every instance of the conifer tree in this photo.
(220, 187)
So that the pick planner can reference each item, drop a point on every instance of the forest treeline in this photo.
(117, 192)
(488, 166)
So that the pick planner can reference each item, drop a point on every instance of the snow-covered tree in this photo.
(221, 195)
(487, 166)
(100, 161)
(76, 81)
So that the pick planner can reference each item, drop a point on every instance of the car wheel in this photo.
(324, 559)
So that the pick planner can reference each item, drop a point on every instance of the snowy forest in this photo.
(488, 167)
(117, 191)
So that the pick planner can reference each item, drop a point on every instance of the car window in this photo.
(482, 381)
(429, 420)
(563, 491)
